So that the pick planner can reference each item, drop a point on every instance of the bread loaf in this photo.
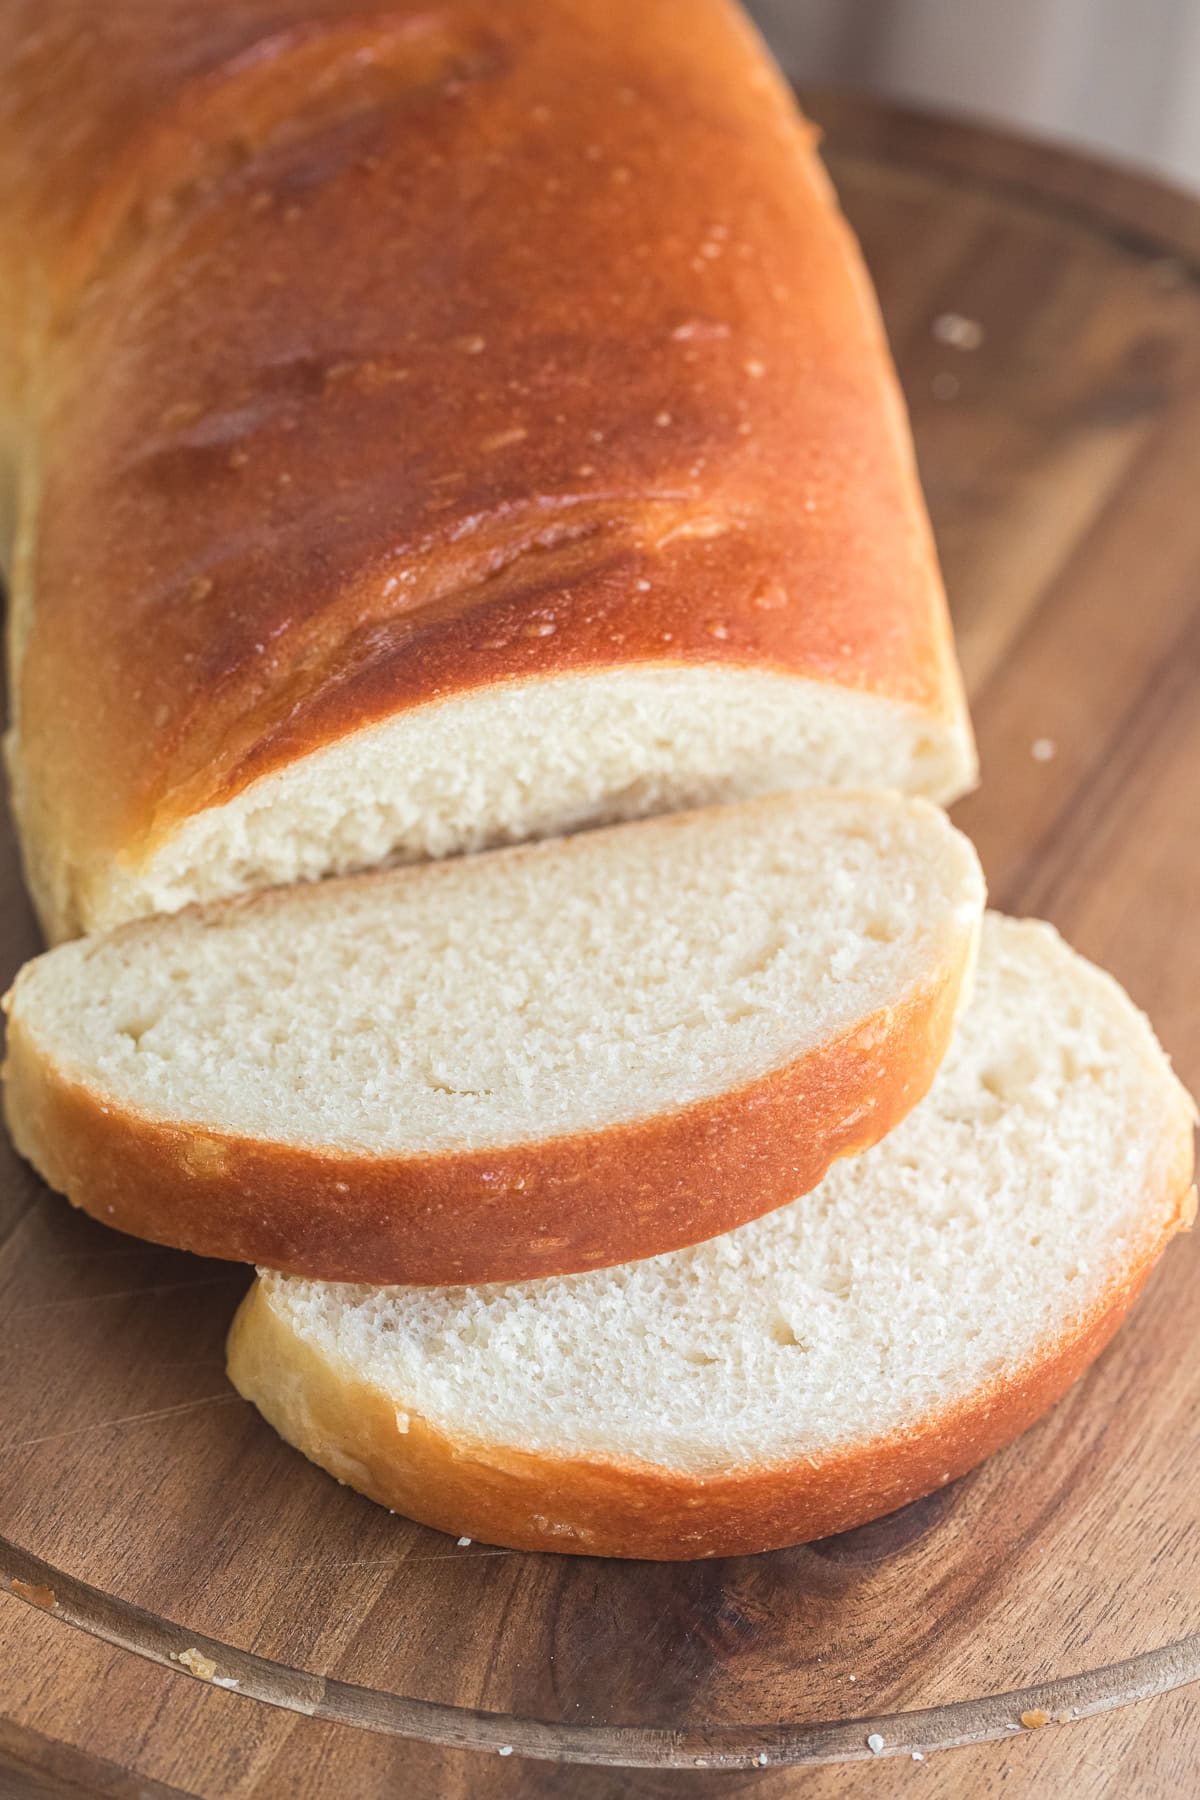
(805, 1373)
(434, 427)
(520, 1063)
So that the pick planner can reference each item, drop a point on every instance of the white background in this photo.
(1117, 76)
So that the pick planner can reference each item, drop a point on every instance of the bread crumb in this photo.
(204, 1156)
(918, 1756)
(955, 329)
(1042, 749)
(181, 413)
(1064, 1718)
(700, 328)
(226, 1681)
(761, 1759)
(36, 1593)
(463, 1542)
(500, 440)
(852, 1678)
(196, 1663)
(875, 1743)
(506, 1750)
(1034, 1719)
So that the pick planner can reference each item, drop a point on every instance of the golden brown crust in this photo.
(592, 1506)
(552, 1207)
(362, 355)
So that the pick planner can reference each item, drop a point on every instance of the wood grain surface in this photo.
(1061, 456)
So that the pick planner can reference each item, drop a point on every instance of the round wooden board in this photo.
(1062, 461)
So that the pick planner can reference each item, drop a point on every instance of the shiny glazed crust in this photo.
(342, 351)
(593, 1506)
(545, 1208)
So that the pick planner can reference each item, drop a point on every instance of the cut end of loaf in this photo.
(520, 761)
(548, 1058)
(775, 1383)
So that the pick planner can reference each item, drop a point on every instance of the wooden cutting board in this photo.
(1046, 316)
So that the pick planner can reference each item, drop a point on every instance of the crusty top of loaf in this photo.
(371, 357)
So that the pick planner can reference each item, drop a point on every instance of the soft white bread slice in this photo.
(522, 1063)
(805, 1373)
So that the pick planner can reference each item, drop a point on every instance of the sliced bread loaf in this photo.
(543, 468)
(802, 1374)
(522, 1063)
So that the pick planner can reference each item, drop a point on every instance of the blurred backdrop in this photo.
(1117, 76)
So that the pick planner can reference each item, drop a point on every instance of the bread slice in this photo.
(522, 1063)
(805, 1373)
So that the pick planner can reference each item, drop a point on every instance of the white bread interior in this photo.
(524, 995)
(517, 761)
(1052, 1154)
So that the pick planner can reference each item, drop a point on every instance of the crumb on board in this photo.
(1035, 1718)
(1042, 749)
(36, 1593)
(196, 1663)
(505, 1750)
(1064, 1718)
(463, 1542)
(958, 331)
(918, 1756)
(875, 1743)
(761, 1759)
